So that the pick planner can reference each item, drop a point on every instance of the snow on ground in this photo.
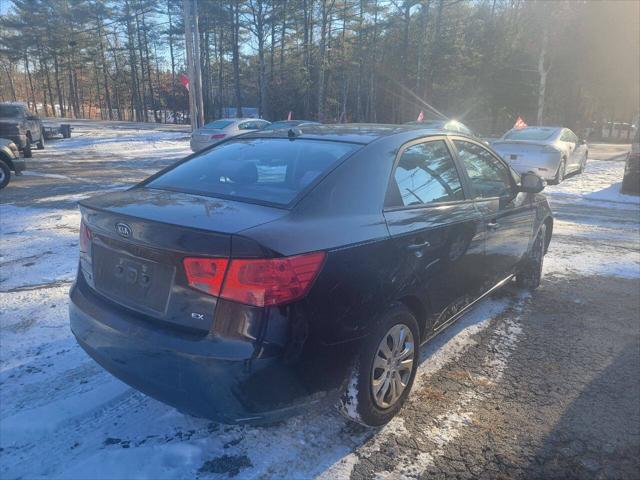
(64, 417)
(601, 182)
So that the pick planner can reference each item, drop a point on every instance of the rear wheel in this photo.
(385, 370)
(5, 174)
(27, 148)
(530, 273)
(560, 173)
(583, 165)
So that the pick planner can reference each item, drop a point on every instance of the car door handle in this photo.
(418, 246)
(493, 225)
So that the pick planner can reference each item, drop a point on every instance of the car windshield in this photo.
(270, 171)
(531, 134)
(10, 111)
(219, 124)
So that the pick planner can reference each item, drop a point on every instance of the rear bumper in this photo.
(19, 164)
(544, 172)
(200, 375)
(197, 146)
(544, 165)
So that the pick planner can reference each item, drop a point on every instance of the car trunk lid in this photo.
(139, 239)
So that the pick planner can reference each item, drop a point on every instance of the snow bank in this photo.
(601, 181)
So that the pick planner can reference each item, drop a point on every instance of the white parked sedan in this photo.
(550, 152)
(219, 130)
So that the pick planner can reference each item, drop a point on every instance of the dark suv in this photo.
(20, 126)
(284, 269)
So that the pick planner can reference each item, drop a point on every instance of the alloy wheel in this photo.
(392, 366)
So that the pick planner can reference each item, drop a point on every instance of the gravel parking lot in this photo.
(527, 385)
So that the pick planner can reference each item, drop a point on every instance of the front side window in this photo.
(488, 176)
(426, 174)
(270, 171)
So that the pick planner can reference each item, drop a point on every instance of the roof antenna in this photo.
(293, 133)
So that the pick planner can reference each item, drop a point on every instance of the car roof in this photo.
(294, 121)
(363, 133)
(242, 119)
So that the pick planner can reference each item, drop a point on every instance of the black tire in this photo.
(5, 174)
(27, 152)
(530, 272)
(357, 402)
(583, 165)
(560, 173)
(40, 144)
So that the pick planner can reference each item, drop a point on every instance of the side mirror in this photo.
(531, 183)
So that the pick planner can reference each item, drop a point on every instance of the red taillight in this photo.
(85, 238)
(258, 282)
(271, 282)
(218, 136)
(205, 274)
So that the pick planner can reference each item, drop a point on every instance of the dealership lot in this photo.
(541, 384)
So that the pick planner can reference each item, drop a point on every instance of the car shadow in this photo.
(598, 435)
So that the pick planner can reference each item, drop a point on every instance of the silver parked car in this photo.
(222, 129)
(550, 152)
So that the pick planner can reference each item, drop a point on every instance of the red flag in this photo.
(519, 124)
(184, 80)
(290, 116)
(420, 117)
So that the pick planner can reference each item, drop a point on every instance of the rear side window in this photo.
(425, 174)
(271, 171)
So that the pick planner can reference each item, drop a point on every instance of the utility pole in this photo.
(192, 46)
(198, 63)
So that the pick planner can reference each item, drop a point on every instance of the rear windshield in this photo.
(532, 134)
(219, 124)
(285, 124)
(271, 171)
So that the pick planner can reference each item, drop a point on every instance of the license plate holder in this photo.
(136, 282)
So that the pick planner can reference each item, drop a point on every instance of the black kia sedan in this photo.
(287, 269)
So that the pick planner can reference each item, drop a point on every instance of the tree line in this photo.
(483, 62)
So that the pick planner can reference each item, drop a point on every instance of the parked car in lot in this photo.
(9, 161)
(223, 129)
(551, 152)
(20, 126)
(55, 129)
(289, 124)
(264, 276)
(631, 179)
